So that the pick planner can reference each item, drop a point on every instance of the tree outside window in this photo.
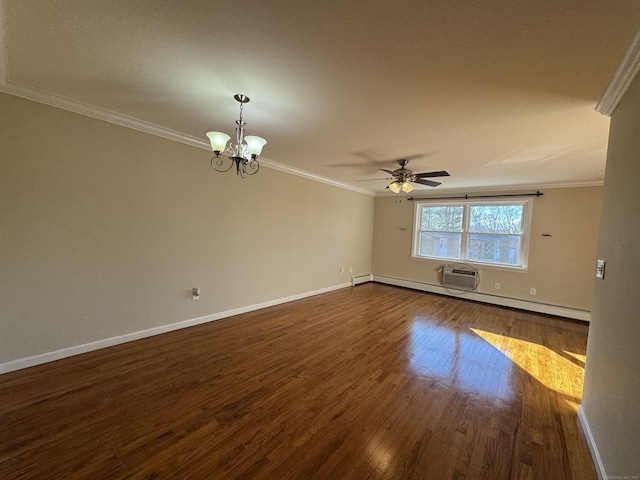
(489, 232)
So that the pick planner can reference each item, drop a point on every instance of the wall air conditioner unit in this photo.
(459, 277)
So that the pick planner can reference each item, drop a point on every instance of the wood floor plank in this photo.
(371, 382)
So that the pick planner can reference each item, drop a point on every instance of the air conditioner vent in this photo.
(459, 277)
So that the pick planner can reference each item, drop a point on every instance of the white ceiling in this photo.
(497, 92)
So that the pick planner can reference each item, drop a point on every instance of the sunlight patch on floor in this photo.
(577, 356)
(561, 370)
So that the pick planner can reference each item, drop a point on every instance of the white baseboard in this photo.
(129, 337)
(358, 279)
(487, 298)
(597, 461)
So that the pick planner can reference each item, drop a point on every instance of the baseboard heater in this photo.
(357, 280)
(459, 277)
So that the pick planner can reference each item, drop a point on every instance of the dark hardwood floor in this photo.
(369, 382)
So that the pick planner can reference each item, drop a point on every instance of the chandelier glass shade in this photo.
(243, 154)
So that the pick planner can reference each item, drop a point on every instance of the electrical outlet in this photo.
(497, 285)
(350, 269)
(195, 294)
(532, 291)
(341, 271)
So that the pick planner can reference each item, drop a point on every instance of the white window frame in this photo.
(527, 214)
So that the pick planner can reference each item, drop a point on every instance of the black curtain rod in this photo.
(467, 197)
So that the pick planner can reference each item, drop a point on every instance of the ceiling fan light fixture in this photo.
(403, 178)
(395, 187)
(407, 187)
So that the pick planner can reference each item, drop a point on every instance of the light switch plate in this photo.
(600, 269)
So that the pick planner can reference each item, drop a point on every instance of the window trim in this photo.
(527, 215)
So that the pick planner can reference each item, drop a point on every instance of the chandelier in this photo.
(243, 154)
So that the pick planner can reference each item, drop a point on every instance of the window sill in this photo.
(478, 265)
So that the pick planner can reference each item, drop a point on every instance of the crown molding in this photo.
(599, 183)
(75, 106)
(71, 105)
(625, 74)
(497, 188)
(314, 177)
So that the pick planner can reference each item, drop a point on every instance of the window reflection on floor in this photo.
(460, 359)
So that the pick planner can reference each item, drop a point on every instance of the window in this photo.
(489, 233)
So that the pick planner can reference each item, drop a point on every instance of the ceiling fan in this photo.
(403, 177)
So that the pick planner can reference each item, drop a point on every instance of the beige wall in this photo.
(104, 231)
(560, 268)
(611, 397)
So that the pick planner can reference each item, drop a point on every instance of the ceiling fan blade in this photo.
(441, 173)
(430, 183)
(387, 171)
(411, 157)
